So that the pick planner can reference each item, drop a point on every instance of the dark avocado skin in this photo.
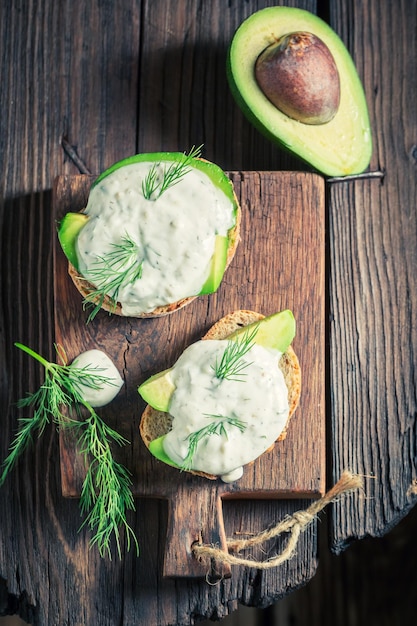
(340, 147)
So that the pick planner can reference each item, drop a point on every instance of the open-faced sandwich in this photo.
(158, 230)
(227, 399)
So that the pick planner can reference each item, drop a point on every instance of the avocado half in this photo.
(340, 147)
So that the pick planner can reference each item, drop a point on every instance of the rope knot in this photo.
(303, 518)
(294, 525)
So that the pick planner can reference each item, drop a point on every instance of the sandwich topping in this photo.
(98, 363)
(222, 421)
(148, 245)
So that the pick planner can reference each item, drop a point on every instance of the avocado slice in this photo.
(157, 390)
(156, 448)
(276, 331)
(68, 231)
(218, 265)
(339, 147)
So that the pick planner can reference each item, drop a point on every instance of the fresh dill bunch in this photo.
(216, 427)
(121, 266)
(106, 491)
(231, 364)
(153, 186)
(106, 495)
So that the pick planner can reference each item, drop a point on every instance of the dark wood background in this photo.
(112, 79)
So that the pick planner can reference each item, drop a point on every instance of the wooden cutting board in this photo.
(280, 263)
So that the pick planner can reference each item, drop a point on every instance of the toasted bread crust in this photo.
(85, 287)
(155, 423)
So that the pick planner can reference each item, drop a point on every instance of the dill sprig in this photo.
(216, 427)
(119, 267)
(231, 364)
(151, 182)
(154, 185)
(106, 495)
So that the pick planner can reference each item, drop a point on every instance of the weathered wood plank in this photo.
(373, 286)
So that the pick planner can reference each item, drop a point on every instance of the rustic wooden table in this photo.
(106, 80)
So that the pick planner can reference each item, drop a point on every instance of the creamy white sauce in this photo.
(259, 400)
(97, 363)
(175, 234)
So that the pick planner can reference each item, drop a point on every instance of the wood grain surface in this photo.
(279, 264)
(373, 282)
(113, 79)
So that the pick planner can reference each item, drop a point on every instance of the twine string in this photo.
(412, 491)
(294, 524)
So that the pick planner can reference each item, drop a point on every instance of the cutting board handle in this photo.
(194, 519)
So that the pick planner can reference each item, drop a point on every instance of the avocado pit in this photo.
(298, 74)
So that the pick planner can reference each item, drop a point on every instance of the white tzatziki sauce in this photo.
(259, 401)
(108, 382)
(174, 234)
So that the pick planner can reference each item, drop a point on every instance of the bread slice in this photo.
(85, 287)
(155, 423)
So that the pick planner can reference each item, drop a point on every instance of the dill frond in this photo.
(231, 364)
(120, 267)
(218, 426)
(153, 185)
(106, 493)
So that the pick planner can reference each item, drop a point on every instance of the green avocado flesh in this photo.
(68, 231)
(157, 390)
(276, 331)
(72, 223)
(156, 447)
(340, 147)
(218, 265)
